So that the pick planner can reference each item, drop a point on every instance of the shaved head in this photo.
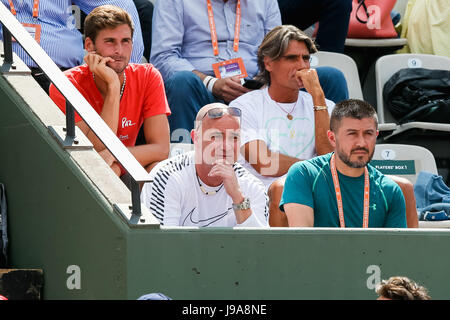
(202, 112)
(216, 134)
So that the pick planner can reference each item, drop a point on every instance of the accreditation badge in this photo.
(34, 30)
(230, 68)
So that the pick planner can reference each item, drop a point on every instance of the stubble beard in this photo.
(118, 70)
(354, 164)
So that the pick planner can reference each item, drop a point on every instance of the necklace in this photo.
(208, 193)
(289, 115)
(123, 84)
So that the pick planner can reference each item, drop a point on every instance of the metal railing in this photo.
(74, 100)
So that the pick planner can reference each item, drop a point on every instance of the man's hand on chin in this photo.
(98, 66)
(310, 81)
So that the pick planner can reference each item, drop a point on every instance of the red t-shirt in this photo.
(143, 96)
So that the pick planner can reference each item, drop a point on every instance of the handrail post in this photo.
(7, 45)
(70, 121)
(135, 197)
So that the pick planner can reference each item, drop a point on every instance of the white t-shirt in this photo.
(266, 120)
(175, 197)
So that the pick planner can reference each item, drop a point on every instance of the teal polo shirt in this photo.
(310, 183)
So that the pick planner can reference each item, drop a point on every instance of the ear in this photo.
(332, 138)
(89, 44)
(268, 63)
(193, 136)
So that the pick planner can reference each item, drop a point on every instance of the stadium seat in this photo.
(179, 148)
(376, 43)
(407, 161)
(343, 63)
(403, 160)
(386, 66)
(400, 7)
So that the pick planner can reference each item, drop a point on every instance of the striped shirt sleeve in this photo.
(163, 196)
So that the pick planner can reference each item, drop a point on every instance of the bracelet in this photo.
(211, 84)
(318, 108)
(206, 80)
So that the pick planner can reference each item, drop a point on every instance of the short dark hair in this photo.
(106, 17)
(352, 108)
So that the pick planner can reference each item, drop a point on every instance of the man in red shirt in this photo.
(125, 95)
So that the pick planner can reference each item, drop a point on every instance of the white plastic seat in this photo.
(179, 148)
(386, 66)
(343, 63)
(400, 6)
(388, 42)
(400, 156)
(403, 160)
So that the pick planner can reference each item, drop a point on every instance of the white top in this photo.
(175, 198)
(264, 119)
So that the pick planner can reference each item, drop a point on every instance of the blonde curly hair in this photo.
(402, 288)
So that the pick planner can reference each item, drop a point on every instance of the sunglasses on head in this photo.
(219, 112)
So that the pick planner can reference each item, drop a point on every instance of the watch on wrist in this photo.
(245, 204)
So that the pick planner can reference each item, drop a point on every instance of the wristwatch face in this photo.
(243, 205)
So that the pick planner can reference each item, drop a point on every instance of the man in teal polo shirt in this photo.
(340, 189)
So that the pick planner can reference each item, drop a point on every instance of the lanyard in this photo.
(212, 27)
(337, 189)
(35, 8)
